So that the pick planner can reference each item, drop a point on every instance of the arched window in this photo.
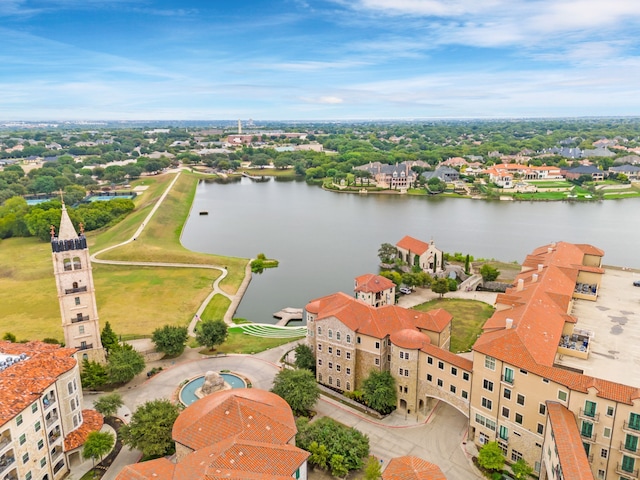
(330, 380)
(330, 333)
(77, 264)
(338, 382)
(320, 377)
(67, 264)
(75, 285)
(85, 356)
(319, 330)
(348, 338)
(337, 335)
(348, 386)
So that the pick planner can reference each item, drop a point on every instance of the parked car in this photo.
(636, 283)
(405, 290)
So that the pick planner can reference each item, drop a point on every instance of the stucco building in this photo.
(240, 433)
(42, 424)
(416, 252)
(551, 378)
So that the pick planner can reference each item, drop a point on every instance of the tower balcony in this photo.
(6, 460)
(67, 291)
(85, 346)
(79, 318)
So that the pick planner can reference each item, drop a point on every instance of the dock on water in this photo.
(288, 314)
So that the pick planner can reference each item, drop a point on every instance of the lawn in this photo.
(468, 318)
(135, 300)
(216, 308)
(239, 342)
(160, 240)
(550, 183)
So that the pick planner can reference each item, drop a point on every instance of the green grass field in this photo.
(238, 342)
(468, 318)
(135, 300)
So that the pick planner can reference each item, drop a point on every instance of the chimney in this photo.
(508, 323)
(549, 250)
(520, 285)
(534, 278)
(540, 267)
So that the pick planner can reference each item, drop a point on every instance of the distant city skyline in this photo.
(323, 60)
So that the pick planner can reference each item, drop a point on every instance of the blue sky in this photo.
(318, 60)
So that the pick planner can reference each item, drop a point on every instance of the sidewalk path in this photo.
(215, 288)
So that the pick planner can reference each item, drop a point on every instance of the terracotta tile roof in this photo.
(573, 459)
(376, 322)
(243, 414)
(372, 283)
(412, 468)
(92, 421)
(24, 382)
(259, 458)
(413, 245)
(159, 469)
(410, 339)
(539, 314)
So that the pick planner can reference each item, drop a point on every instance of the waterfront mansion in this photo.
(554, 377)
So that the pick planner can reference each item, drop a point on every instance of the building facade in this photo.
(536, 376)
(42, 424)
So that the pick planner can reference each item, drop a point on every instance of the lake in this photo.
(324, 240)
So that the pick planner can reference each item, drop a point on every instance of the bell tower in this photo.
(76, 293)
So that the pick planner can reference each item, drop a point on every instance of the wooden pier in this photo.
(288, 314)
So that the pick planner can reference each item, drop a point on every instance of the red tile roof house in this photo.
(416, 252)
(375, 290)
(40, 406)
(234, 434)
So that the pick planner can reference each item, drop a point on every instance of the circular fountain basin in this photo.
(188, 392)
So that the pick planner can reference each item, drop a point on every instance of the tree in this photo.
(467, 265)
(150, 428)
(489, 273)
(170, 339)
(211, 333)
(338, 466)
(379, 391)
(490, 457)
(373, 470)
(108, 405)
(441, 286)
(109, 338)
(123, 364)
(93, 375)
(387, 253)
(98, 444)
(298, 388)
(319, 455)
(521, 469)
(338, 440)
(305, 358)
(10, 337)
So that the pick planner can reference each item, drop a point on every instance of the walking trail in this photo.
(215, 288)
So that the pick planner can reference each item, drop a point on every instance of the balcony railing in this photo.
(75, 290)
(4, 441)
(11, 476)
(627, 472)
(5, 462)
(51, 420)
(48, 401)
(631, 426)
(53, 436)
(55, 453)
(86, 346)
(508, 380)
(83, 318)
(625, 448)
(589, 415)
(590, 437)
(58, 466)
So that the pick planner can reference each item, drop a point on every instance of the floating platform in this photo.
(288, 314)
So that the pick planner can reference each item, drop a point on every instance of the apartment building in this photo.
(556, 361)
(42, 424)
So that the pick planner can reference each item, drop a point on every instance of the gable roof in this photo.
(573, 459)
(370, 283)
(413, 245)
(376, 322)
